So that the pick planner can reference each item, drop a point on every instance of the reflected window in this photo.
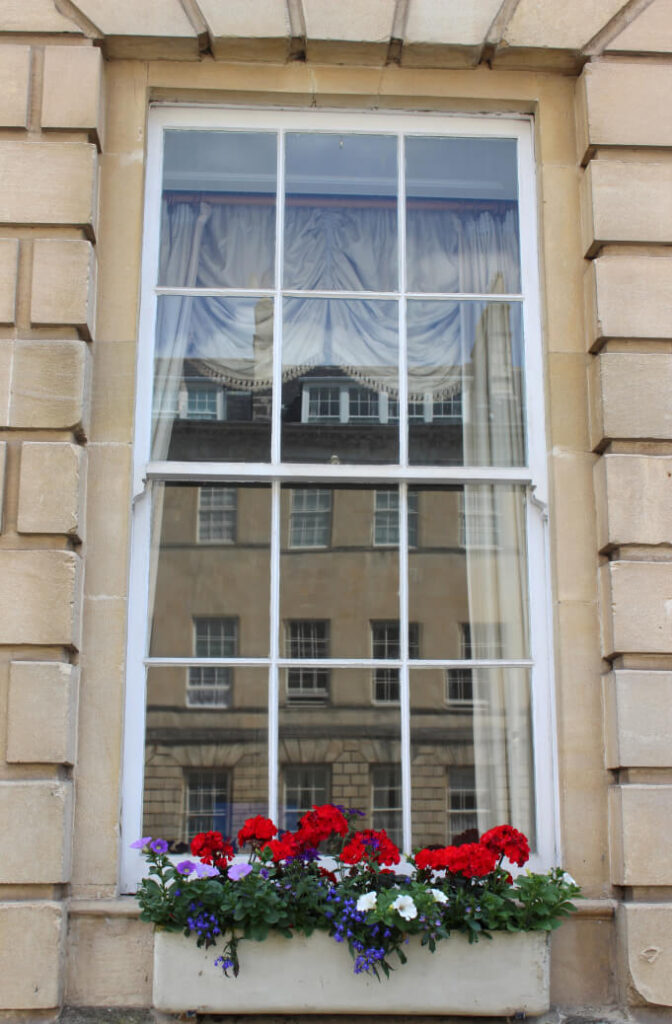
(216, 514)
(386, 518)
(385, 644)
(304, 786)
(386, 800)
(307, 639)
(211, 685)
(310, 518)
(463, 810)
(207, 802)
(204, 403)
(479, 518)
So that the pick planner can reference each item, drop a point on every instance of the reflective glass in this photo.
(213, 375)
(209, 599)
(218, 209)
(341, 212)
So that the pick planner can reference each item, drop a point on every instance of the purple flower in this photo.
(237, 871)
(204, 871)
(185, 867)
(158, 845)
(139, 844)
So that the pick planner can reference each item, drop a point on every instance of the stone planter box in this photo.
(507, 975)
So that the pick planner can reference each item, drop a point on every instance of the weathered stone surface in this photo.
(42, 712)
(39, 599)
(349, 20)
(161, 18)
(567, 26)
(72, 91)
(64, 279)
(14, 81)
(3, 459)
(641, 853)
(626, 202)
(33, 16)
(48, 183)
(630, 396)
(636, 607)
(628, 297)
(638, 719)
(37, 805)
(646, 929)
(9, 254)
(232, 20)
(634, 500)
(108, 500)
(618, 105)
(649, 32)
(109, 961)
(49, 384)
(449, 23)
(51, 488)
(31, 936)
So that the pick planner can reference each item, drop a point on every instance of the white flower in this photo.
(405, 907)
(366, 902)
(439, 896)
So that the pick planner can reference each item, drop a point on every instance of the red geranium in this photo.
(282, 849)
(507, 842)
(370, 845)
(434, 859)
(473, 860)
(212, 848)
(256, 830)
(321, 823)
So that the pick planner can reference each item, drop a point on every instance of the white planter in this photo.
(501, 977)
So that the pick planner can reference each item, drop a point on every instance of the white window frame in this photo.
(307, 694)
(323, 512)
(532, 476)
(210, 512)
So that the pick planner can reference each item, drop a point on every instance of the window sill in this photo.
(508, 975)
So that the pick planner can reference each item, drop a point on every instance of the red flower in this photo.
(321, 823)
(370, 845)
(256, 830)
(473, 860)
(429, 859)
(282, 849)
(508, 842)
(212, 848)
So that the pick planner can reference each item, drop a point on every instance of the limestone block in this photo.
(64, 278)
(617, 105)
(350, 19)
(108, 501)
(39, 806)
(638, 719)
(31, 939)
(39, 598)
(14, 82)
(33, 16)
(636, 607)
(42, 712)
(625, 202)
(628, 297)
(3, 459)
(160, 19)
(48, 183)
(49, 385)
(50, 488)
(634, 500)
(9, 255)
(630, 396)
(72, 90)
(640, 848)
(646, 930)
(650, 32)
(450, 23)
(236, 34)
(569, 25)
(109, 960)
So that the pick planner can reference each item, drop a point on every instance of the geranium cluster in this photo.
(476, 860)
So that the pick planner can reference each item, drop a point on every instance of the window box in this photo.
(505, 976)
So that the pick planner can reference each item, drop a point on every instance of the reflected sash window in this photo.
(207, 803)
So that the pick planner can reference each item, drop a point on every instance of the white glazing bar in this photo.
(158, 662)
(404, 692)
(276, 400)
(273, 688)
(323, 293)
(206, 472)
(403, 348)
(467, 296)
(241, 293)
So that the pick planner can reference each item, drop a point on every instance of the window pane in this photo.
(209, 600)
(303, 787)
(469, 597)
(218, 211)
(462, 215)
(340, 381)
(213, 370)
(217, 508)
(206, 763)
(471, 761)
(386, 522)
(341, 214)
(465, 383)
(330, 569)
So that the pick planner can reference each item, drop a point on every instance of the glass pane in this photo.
(462, 215)
(471, 753)
(341, 749)
(209, 598)
(468, 574)
(334, 583)
(341, 214)
(206, 761)
(218, 210)
(213, 373)
(340, 381)
(465, 383)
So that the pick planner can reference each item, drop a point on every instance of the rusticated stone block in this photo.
(649, 32)
(628, 297)
(42, 712)
(645, 930)
(634, 500)
(618, 105)
(43, 807)
(31, 939)
(109, 959)
(3, 457)
(50, 488)
(48, 183)
(39, 598)
(641, 853)
(630, 397)
(9, 255)
(49, 384)
(14, 82)
(638, 719)
(636, 608)
(64, 280)
(626, 202)
(72, 91)
(568, 27)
